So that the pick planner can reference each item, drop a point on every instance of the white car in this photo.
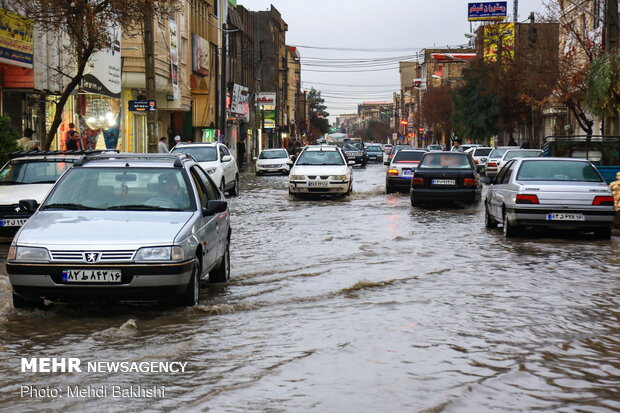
(496, 154)
(216, 160)
(321, 169)
(517, 153)
(480, 155)
(29, 177)
(273, 161)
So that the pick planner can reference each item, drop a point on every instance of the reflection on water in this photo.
(362, 304)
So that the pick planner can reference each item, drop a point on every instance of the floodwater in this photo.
(361, 304)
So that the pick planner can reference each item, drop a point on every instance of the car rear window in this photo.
(445, 161)
(571, 171)
(482, 151)
(373, 149)
(522, 154)
(33, 172)
(406, 156)
(497, 153)
(399, 147)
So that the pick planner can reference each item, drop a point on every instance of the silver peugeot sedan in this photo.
(549, 192)
(123, 227)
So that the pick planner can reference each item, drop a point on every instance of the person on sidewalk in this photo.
(26, 143)
(163, 145)
(240, 152)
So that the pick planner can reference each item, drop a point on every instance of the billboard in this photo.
(16, 39)
(487, 11)
(103, 71)
(200, 52)
(266, 98)
(499, 38)
(239, 102)
(174, 59)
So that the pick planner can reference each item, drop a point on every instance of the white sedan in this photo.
(321, 170)
(273, 161)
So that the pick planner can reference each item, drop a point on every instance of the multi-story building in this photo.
(293, 92)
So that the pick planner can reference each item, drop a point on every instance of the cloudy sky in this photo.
(383, 32)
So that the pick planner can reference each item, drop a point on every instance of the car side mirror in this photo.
(290, 162)
(254, 158)
(214, 207)
(351, 162)
(226, 158)
(485, 180)
(28, 205)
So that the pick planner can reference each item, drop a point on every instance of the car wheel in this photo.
(388, 189)
(221, 273)
(191, 297)
(413, 201)
(603, 233)
(510, 230)
(488, 219)
(258, 173)
(21, 302)
(222, 186)
(234, 191)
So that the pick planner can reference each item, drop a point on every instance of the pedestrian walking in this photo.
(163, 145)
(26, 143)
(241, 152)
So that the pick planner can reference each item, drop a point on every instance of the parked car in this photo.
(355, 151)
(29, 177)
(215, 158)
(480, 155)
(464, 147)
(445, 176)
(374, 152)
(434, 147)
(393, 151)
(549, 192)
(400, 171)
(387, 148)
(123, 226)
(517, 153)
(273, 161)
(496, 154)
(321, 170)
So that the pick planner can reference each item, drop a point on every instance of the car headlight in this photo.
(339, 177)
(159, 254)
(297, 178)
(28, 254)
(211, 171)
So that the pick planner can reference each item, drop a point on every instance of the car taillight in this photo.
(603, 200)
(392, 171)
(476, 161)
(492, 164)
(417, 181)
(470, 182)
(526, 199)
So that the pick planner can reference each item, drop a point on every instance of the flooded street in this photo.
(359, 304)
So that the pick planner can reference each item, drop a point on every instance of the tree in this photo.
(377, 131)
(603, 80)
(319, 124)
(8, 138)
(437, 108)
(86, 24)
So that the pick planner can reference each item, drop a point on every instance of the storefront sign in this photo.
(103, 72)
(266, 98)
(269, 119)
(142, 105)
(200, 52)
(174, 59)
(16, 39)
(487, 11)
(239, 104)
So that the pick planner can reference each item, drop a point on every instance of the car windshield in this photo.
(407, 156)
(320, 158)
(200, 153)
(445, 161)
(482, 151)
(273, 154)
(353, 146)
(122, 189)
(558, 171)
(435, 147)
(373, 148)
(521, 154)
(33, 172)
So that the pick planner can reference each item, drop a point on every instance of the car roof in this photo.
(548, 158)
(273, 149)
(181, 144)
(413, 150)
(321, 148)
(46, 157)
(127, 159)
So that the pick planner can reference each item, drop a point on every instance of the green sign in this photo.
(233, 3)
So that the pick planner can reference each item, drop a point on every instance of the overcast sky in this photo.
(400, 26)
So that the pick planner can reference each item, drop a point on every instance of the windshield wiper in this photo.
(51, 181)
(11, 183)
(141, 208)
(69, 206)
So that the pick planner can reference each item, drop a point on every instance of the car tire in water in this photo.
(21, 302)
(388, 189)
(510, 230)
(488, 220)
(603, 233)
(221, 273)
(235, 189)
(223, 187)
(191, 297)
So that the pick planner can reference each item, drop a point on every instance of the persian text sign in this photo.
(487, 11)
(16, 39)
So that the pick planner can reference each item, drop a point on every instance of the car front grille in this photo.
(105, 256)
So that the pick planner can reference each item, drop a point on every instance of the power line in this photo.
(339, 84)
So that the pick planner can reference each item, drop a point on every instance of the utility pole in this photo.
(149, 71)
(515, 11)
(611, 47)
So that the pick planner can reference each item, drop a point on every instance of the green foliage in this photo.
(477, 109)
(377, 130)
(318, 116)
(8, 138)
(603, 85)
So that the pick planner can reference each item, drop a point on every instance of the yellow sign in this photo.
(16, 39)
(499, 39)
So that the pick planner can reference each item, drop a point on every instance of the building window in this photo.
(183, 47)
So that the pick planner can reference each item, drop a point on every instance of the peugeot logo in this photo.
(91, 256)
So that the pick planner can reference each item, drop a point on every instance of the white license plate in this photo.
(12, 222)
(315, 184)
(407, 172)
(565, 217)
(91, 276)
(443, 182)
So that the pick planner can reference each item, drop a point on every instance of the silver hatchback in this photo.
(123, 227)
(549, 192)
